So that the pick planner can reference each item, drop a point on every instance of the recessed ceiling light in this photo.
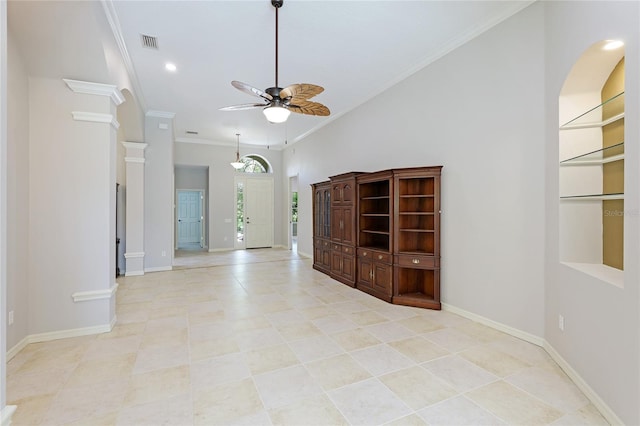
(170, 67)
(613, 44)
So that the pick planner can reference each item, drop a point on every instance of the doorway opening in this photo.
(254, 212)
(190, 219)
(293, 214)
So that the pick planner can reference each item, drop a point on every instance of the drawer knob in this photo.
(379, 257)
(416, 261)
(364, 254)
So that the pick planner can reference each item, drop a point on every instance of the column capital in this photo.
(99, 89)
(135, 145)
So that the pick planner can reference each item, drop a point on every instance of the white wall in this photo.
(158, 194)
(602, 328)
(222, 191)
(71, 207)
(478, 111)
(17, 194)
(3, 210)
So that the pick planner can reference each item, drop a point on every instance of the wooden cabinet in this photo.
(322, 226)
(416, 242)
(343, 266)
(375, 273)
(384, 233)
(343, 224)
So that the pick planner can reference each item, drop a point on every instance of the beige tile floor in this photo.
(273, 342)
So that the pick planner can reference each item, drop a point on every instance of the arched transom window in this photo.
(254, 164)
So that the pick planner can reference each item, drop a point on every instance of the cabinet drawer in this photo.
(375, 255)
(348, 250)
(416, 261)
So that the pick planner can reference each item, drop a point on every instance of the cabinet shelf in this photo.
(588, 197)
(599, 156)
(593, 117)
(371, 231)
(415, 230)
(374, 214)
(380, 197)
(417, 196)
(416, 213)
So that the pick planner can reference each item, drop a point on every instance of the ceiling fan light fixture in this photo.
(276, 114)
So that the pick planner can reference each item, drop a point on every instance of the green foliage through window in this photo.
(254, 164)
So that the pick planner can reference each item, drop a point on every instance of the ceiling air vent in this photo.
(149, 41)
(191, 132)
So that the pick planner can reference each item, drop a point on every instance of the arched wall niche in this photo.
(591, 158)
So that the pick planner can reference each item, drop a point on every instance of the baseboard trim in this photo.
(62, 334)
(303, 254)
(595, 399)
(133, 273)
(531, 338)
(6, 413)
(215, 250)
(602, 406)
(84, 296)
(158, 269)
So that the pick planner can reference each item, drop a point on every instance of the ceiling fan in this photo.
(279, 102)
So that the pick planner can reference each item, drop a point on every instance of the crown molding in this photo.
(99, 89)
(95, 117)
(161, 114)
(114, 23)
(199, 141)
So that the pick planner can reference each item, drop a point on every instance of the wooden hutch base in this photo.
(380, 232)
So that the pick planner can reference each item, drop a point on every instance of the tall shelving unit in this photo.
(417, 237)
(375, 239)
(397, 234)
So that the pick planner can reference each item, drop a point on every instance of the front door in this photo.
(189, 219)
(258, 208)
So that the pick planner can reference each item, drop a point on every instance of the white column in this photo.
(134, 239)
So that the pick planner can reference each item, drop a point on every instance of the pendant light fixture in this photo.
(237, 164)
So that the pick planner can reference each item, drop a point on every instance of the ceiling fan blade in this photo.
(301, 91)
(244, 87)
(309, 108)
(242, 106)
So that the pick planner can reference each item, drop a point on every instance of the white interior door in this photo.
(258, 207)
(189, 218)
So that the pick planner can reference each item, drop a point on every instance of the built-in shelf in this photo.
(380, 197)
(619, 196)
(593, 117)
(368, 231)
(415, 230)
(600, 156)
(416, 213)
(375, 214)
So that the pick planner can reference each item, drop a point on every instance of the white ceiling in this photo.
(354, 49)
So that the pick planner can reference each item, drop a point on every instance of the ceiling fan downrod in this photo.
(277, 4)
